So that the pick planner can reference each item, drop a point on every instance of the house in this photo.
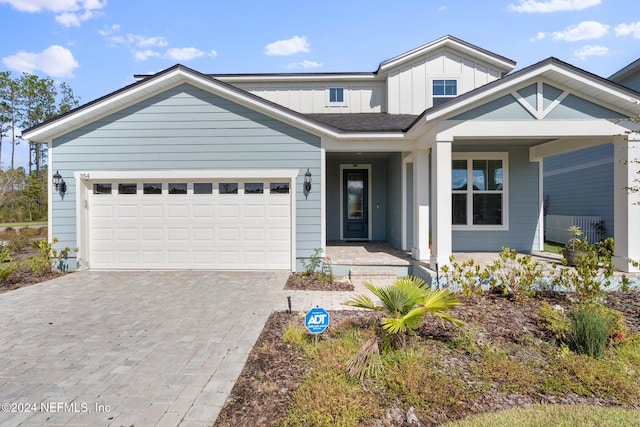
(438, 150)
(580, 184)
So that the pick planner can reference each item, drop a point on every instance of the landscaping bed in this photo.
(502, 358)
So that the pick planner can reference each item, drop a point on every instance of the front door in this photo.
(355, 203)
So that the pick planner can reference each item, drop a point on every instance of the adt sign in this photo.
(316, 320)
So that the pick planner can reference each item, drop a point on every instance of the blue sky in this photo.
(96, 46)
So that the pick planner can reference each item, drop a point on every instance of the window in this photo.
(478, 186)
(202, 188)
(279, 188)
(444, 90)
(126, 188)
(253, 188)
(228, 188)
(336, 95)
(178, 188)
(155, 188)
(101, 188)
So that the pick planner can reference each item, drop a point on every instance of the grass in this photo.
(554, 248)
(23, 224)
(444, 380)
(553, 415)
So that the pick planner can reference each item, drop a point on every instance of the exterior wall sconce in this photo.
(58, 183)
(307, 181)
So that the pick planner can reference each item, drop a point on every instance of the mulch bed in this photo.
(316, 282)
(273, 370)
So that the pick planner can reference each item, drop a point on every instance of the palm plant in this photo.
(406, 302)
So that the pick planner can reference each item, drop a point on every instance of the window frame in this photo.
(469, 157)
(331, 103)
(443, 97)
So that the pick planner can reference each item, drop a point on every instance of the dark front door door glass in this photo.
(355, 203)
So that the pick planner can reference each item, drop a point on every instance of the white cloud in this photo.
(183, 53)
(586, 30)
(542, 6)
(54, 61)
(627, 29)
(591, 50)
(70, 12)
(442, 8)
(107, 31)
(303, 64)
(287, 47)
(143, 55)
(541, 35)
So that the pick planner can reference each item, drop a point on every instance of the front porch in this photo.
(380, 263)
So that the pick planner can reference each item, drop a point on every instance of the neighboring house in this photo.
(580, 183)
(439, 145)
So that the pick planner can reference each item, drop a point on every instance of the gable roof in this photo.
(553, 70)
(500, 62)
(625, 72)
(166, 79)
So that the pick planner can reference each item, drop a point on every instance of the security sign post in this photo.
(316, 321)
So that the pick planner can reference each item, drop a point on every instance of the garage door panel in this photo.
(152, 257)
(183, 231)
(152, 211)
(178, 211)
(127, 211)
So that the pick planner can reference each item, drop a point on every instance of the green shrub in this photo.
(467, 276)
(516, 275)
(7, 270)
(590, 330)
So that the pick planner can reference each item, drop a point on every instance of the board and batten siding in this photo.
(313, 97)
(186, 128)
(581, 184)
(523, 186)
(409, 89)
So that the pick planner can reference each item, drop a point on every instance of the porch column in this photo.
(441, 200)
(626, 204)
(420, 249)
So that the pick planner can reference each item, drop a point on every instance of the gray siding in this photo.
(523, 233)
(191, 129)
(581, 184)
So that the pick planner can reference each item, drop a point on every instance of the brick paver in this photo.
(134, 348)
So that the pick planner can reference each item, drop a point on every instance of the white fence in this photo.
(556, 227)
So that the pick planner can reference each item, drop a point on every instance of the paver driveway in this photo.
(122, 348)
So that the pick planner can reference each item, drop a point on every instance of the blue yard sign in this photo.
(316, 320)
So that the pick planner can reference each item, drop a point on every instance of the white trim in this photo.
(323, 201)
(189, 174)
(484, 155)
(540, 206)
(50, 191)
(369, 194)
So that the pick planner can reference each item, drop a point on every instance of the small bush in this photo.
(555, 320)
(466, 276)
(516, 275)
(590, 330)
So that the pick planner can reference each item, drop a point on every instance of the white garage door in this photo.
(231, 224)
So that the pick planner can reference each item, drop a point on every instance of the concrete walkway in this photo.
(134, 348)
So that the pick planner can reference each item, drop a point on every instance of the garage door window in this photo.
(127, 188)
(155, 188)
(279, 188)
(228, 188)
(253, 188)
(101, 188)
(178, 188)
(202, 188)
